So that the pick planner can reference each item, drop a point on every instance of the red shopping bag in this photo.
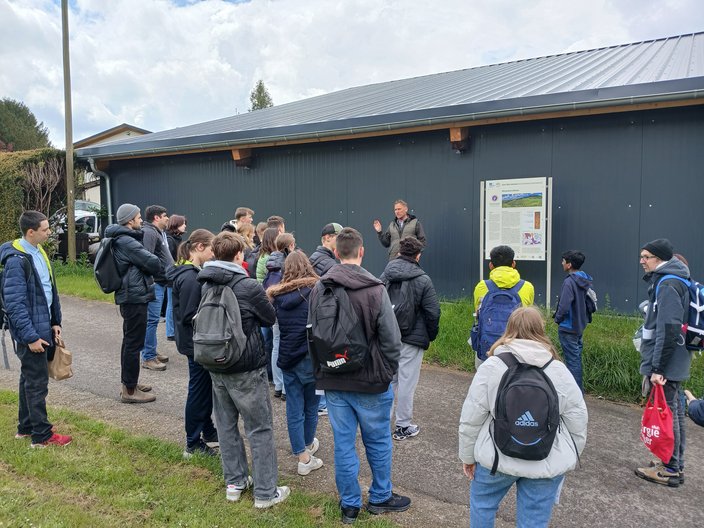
(656, 427)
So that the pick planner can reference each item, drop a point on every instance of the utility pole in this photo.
(70, 192)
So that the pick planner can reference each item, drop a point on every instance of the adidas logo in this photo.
(526, 420)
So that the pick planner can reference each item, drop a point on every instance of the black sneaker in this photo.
(349, 514)
(395, 503)
(201, 448)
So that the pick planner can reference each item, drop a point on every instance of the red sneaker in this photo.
(56, 439)
(19, 436)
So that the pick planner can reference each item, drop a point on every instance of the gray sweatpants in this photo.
(246, 394)
(405, 382)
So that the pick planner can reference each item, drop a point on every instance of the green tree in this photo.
(260, 98)
(20, 128)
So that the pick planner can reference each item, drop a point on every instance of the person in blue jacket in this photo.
(33, 311)
(571, 313)
(695, 408)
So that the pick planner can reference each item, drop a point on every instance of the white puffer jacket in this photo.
(476, 444)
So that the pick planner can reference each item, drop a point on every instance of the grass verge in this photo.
(109, 478)
(609, 359)
(77, 280)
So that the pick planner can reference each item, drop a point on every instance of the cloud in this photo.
(160, 64)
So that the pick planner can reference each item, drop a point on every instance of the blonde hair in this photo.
(247, 232)
(525, 323)
(284, 241)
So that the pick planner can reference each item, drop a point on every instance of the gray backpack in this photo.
(218, 338)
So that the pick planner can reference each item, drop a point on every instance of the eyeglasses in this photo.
(647, 257)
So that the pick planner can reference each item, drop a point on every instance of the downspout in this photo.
(106, 176)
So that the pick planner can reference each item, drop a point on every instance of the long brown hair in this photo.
(297, 266)
(526, 323)
(199, 236)
(175, 221)
(269, 240)
(247, 232)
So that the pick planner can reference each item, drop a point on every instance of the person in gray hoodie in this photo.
(571, 313)
(665, 359)
(243, 391)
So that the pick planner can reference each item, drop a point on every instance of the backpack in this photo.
(402, 296)
(218, 338)
(526, 412)
(105, 269)
(693, 327)
(336, 337)
(591, 301)
(495, 309)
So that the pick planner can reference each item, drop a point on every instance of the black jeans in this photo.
(34, 386)
(134, 328)
(199, 405)
(672, 397)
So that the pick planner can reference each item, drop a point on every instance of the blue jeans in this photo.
(323, 403)
(170, 330)
(301, 405)
(372, 414)
(153, 315)
(275, 370)
(572, 350)
(534, 498)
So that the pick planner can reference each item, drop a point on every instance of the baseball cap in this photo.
(331, 229)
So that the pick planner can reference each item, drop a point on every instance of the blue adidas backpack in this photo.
(693, 327)
(496, 307)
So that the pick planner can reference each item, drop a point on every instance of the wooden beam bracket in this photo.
(459, 139)
(242, 157)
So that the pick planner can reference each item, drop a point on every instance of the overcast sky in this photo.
(160, 64)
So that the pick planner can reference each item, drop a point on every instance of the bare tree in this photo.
(41, 179)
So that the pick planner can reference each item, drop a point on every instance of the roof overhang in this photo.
(664, 94)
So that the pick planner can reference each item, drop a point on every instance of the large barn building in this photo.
(620, 130)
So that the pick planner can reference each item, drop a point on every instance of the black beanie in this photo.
(661, 248)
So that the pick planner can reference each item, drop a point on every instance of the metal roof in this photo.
(664, 69)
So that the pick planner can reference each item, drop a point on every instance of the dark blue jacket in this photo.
(696, 411)
(25, 303)
(290, 301)
(186, 299)
(571, 312)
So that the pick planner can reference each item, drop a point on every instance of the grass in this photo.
(610, 361)
(109, 478)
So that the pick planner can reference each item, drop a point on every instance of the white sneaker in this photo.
(235, 492)
(313, 464)
(313, 448)
(281, 493)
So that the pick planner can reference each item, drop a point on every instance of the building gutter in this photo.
(108, 192)
(459, 119)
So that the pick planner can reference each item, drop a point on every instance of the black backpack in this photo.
(526, 412)
(403, 299)
(336, 336)
(105, 269)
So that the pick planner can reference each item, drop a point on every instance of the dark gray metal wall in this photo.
(619, 180)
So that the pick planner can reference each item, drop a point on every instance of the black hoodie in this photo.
(427, 323)
(371, 302)
(186, 298)
(255, 309)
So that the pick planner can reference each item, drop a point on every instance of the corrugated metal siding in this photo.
(619, 181)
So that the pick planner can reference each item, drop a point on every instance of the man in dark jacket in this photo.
(665, 359)
(136, 266)
(244, 389)
(362, 399)
(33, 311)
(323, 258)
(403, 225)
(416, 333)
(571, 313)
(155, 242)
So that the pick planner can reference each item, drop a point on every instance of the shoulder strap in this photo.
(509, 359)
(491, 286)
(667, 277)
(546, 364)
(517, 287)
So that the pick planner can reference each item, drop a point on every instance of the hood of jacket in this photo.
(582, 280)
(178, 269)
(116, 230)
(401, 269)
(220, 272)
(8, 249)
(674, 266)
(527, 351)
(275, 261)
(148, 226)
(286, 287)
(505, 276)
(351, 276)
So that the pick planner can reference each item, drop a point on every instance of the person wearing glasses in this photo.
(664, 358)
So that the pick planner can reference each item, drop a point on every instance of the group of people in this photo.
(276, 286)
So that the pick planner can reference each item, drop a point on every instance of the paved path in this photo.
(605, 492)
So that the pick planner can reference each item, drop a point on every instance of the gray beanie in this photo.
(126, 212)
